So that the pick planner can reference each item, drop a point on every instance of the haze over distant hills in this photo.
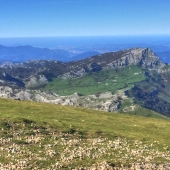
(74, 48)
(25, 53)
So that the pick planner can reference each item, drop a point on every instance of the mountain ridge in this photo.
(98, 74)
(136, 56)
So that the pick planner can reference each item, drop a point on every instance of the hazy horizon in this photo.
(53, 42)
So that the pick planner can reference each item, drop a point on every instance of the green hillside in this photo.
(60, 137)
(103, 81)
(128, 107)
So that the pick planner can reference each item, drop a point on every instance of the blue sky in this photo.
(37, 18)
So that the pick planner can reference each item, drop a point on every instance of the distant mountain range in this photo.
(25, 53)
(125, 80)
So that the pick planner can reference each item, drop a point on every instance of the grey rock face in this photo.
(5, 91)
(34, 81)
(138, 56)
(105, 101)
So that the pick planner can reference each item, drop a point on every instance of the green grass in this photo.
(103, 81)
(140, 111)
(58, 128)
(84, 121)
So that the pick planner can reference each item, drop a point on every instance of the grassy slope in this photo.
(106, 80)
(21, 120)
(86, 121)
(126, 107)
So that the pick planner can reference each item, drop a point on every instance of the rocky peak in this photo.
(7, 64)
(147, 58)
(143, 57)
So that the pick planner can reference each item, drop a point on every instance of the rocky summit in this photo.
(94, 82)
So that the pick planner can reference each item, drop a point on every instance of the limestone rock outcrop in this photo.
(105, 101)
